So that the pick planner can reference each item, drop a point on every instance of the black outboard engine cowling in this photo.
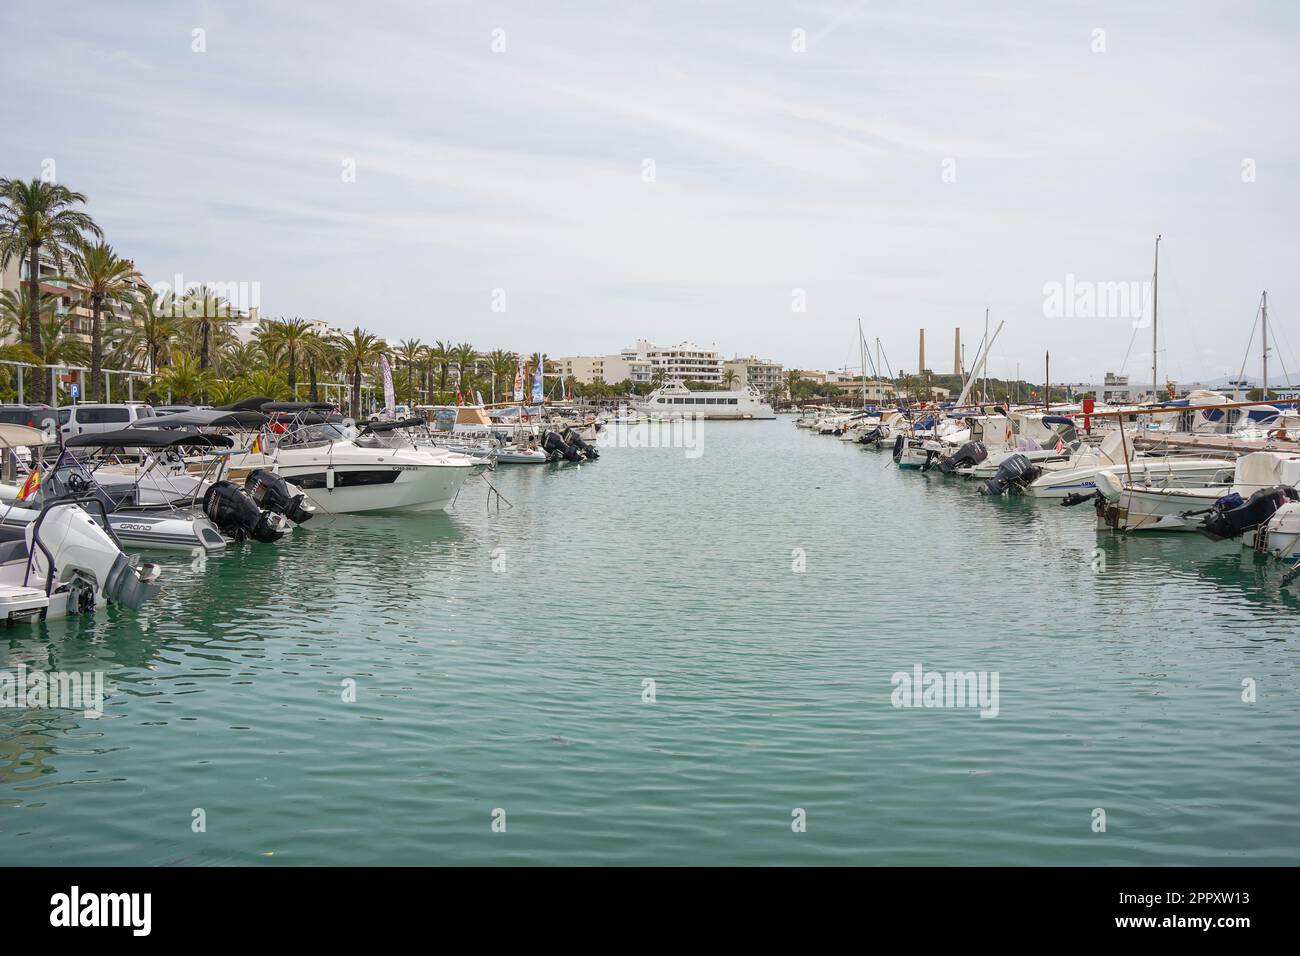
(271, 492)
(899, 444)
(1231, 516)
(237, 515)
(1013, 474)
(557, 448)
(871, 437)
(576, 441)
(971, 453)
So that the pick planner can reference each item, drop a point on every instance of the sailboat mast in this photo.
(1265, 326)
(862, 357)
(984, 392)
(1155, 318)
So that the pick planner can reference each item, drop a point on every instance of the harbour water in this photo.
(770, 588)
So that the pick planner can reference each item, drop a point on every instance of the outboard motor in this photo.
(1231, 516)
(1013, 474)
(576, 441)
(271, 493)
(237, 515)
(971, 453)
(870, 437)
(899, 444)
(557, 448)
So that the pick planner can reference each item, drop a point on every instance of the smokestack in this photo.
(956, 353)
(920, 362)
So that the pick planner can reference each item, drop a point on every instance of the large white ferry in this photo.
(675, 400)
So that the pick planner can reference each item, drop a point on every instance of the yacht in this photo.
(341, 471)
(675, 400)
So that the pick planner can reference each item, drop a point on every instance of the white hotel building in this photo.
(641, 363)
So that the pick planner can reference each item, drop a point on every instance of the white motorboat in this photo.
(1132, 507)
(153, 501)
(343, 472)
(1115, 456)
(64, 561)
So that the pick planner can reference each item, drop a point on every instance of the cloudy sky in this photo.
(699, 170)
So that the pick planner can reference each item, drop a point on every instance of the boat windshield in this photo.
(322, 434)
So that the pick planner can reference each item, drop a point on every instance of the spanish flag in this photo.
(257, 448)
(31, 485)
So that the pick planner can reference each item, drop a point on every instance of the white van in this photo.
(94, 418)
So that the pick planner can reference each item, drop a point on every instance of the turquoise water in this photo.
(500, 662)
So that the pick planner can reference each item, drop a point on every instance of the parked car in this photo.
(33, 416)
(94, 417)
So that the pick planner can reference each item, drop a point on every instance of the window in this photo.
(64, 415)
(102, 416)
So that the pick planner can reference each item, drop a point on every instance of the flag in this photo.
(519, 382)
(31, 485)
(1060, 445)
(390, 400)
(537, 383)
(460, 399)
(257, 448)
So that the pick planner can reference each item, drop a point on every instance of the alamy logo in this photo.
(60, 690)
(923, 688)
(103, 909)
(1084, 299)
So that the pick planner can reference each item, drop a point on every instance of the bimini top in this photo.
(283, 408)
(147, 438)
(246, 405)
(384, 426)
(14, 436)
(204, 418)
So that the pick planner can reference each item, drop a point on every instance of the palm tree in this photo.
(39, 215)
(792, 379)
(357, 351)
(729, 377)
(144, 338)
(206, 317)
(15, 311)
(61, 347)
(243, 359)
(105, 278)
(186, 378)
(503, 365)
(440, 358)
(288, 334)
(315, 349)
(13, 323)
(268, 382)
(464, 356)
(410, 351)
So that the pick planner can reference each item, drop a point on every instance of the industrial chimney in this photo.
(920, 362)
(956, 353)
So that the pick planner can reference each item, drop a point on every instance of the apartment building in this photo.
(683, 362)
(763, 374)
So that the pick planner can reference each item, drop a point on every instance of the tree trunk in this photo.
(311, 371)
(293, 373)
(34, 321)
(356, 390)
(97, 347)
(203, 349)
